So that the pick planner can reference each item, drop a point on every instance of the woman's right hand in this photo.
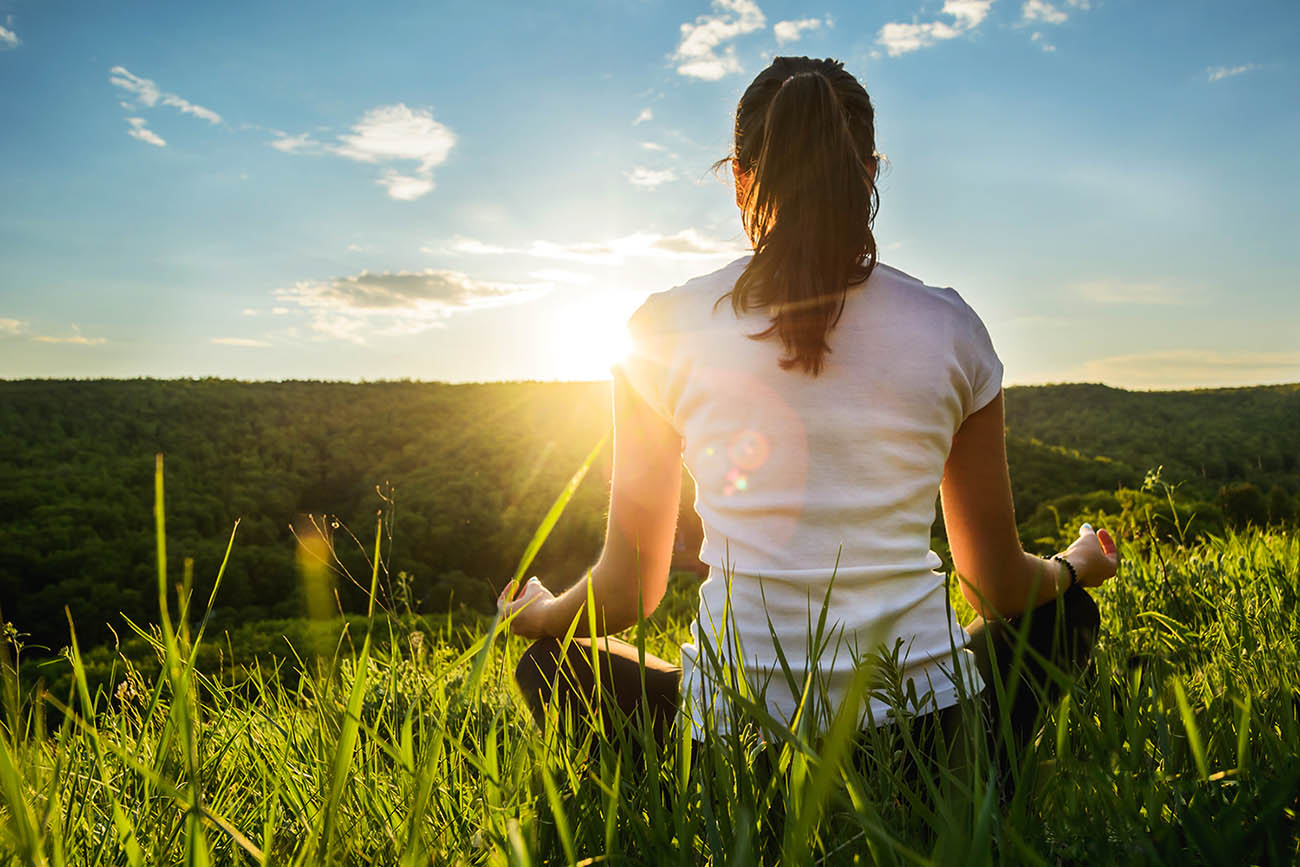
(1093, 555)
(528, 615)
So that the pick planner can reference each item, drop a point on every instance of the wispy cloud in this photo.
(146, 93)
(1191, 368)
(1132, 293)
(792, 31)
(140, 130)
(1041, 10)
(473, 247)
(697, 54)
(75, 338)
(8, 39)
(643, 116)
(239, 341)
(386, 134)
(1218, 73)
(1044, 12)
(898, 37)
(289, 144)
(686, 244)
(10, 327)
(403, 302)
(648, 179)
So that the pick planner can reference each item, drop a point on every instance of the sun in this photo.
(589, 338)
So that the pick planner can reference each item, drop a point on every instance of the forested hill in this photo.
(472, 470)
(1205, 439)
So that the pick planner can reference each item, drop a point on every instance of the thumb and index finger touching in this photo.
(1104, 540)
(517, 591)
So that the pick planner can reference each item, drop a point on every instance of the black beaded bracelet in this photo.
(1074, 576)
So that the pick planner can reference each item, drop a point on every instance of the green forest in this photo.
(466, 472)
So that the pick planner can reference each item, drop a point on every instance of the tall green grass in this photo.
(403, 745)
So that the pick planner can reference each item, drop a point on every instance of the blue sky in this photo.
(486, 191)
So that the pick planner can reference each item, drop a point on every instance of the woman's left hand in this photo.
(528, 615)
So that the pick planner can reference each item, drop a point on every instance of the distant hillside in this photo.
(1205, 439)
(474, 468)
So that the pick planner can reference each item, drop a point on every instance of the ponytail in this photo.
(810, 203)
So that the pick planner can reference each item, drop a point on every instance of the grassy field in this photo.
(403, 742)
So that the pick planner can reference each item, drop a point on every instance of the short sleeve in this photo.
(649, 363)
(981, 365)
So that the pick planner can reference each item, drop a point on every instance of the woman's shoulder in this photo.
(687, 304)
(917, 291)
(906, 299)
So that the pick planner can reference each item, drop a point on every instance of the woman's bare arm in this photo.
(633, 568)
(998, 578)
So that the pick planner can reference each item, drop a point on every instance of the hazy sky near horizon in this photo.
(486, 191)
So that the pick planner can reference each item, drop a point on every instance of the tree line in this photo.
(464, 474)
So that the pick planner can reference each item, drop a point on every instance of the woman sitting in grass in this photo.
(820, 400)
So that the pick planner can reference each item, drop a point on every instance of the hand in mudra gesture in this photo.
(527, 613)
(1093, 555)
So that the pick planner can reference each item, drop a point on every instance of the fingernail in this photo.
(1085, 526)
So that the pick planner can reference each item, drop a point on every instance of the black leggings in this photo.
(1022, 661)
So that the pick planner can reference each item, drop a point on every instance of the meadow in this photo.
(399, 739)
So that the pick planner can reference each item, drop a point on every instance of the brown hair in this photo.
(805, 133)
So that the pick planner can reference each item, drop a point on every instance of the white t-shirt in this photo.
(802, 479)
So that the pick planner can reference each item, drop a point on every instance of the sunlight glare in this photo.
(589, 338)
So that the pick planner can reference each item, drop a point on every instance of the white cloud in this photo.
(969, 13)
(395, 132)
(653, 146)
(1043, 43)
(146, 93)
(1218, 73)
(697, 54)
(140, 130)
(289, 144)
(643, 116)
(9, 327)
(239, 341)
(586, 252)
(901, 37)
(1042, 10)
(404, 302)
(791, 31)
(386, 134)
(648, 179)
(144, 90)
(470, 246)
(405, 188)
(251, 311)
(188, 107)
(1190, 368)
(75, 338)
(8, 39)
(686, 244)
